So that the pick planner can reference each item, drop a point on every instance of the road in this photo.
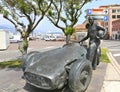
(11, 79)
(114, 48)
(36, 45)
(12, 52)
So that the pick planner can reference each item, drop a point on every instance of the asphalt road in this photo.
(114, 48)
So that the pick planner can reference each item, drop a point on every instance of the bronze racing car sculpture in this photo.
(59, 67)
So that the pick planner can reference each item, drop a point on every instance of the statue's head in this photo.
(91, 20)
(87, 25)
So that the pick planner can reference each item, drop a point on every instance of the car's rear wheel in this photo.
(80, 76)
(98, 55)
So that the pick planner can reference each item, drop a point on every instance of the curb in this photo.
(114, 62)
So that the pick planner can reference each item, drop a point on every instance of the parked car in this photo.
(49, 38)
(59, 67)
(60, 38)
(15, 38)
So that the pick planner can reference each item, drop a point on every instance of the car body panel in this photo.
(51, 64)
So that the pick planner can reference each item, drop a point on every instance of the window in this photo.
(113, 16)
(112, 29)
(118, 16)
(113, 11)
(118, 10)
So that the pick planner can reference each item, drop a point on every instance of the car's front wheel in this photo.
(80, 76)
(27, 58)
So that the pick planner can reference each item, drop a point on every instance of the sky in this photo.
(46, 26)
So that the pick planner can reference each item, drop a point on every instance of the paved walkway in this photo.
(11, 81)
(112, 78)
(9, 55)
(38, 45)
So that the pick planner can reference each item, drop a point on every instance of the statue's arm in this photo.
(100, 28)
(85, 38)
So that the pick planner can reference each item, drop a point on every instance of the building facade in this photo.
(4, 39)
(116, 29)
(105, 15)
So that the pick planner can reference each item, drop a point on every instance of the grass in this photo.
(10, 64)
(104, 57)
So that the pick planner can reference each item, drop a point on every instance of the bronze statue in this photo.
(54, 69)
(94, 40)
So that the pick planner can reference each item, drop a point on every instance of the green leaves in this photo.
(24, 6)
(67, 13)
(5, 13)
(69, 30)
(50, 12)
(63, 19)
(10, 2)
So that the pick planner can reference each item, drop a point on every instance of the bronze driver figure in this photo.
(94, 40)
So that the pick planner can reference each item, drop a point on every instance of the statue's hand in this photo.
(81, 42)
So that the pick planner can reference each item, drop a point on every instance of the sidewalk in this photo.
(112, 78)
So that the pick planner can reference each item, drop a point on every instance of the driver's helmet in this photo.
(100, 34)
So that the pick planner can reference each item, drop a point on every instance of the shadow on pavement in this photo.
(14, 69)
(31, 88)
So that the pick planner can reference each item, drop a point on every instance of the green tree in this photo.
(64, 14)
(25, 15)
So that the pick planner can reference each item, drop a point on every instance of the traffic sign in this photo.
(105, 18)
(89, 11)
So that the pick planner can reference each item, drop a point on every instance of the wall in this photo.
(4, 39)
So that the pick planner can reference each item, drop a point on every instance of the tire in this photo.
(98, 55)
(80, 76)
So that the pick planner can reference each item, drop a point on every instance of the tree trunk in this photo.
(67, 38)
(24, 46)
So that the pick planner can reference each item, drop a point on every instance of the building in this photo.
(116, 29)
(100, 16)
(4, 39)
(80, 33)
(81, 28)
(105, 15)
